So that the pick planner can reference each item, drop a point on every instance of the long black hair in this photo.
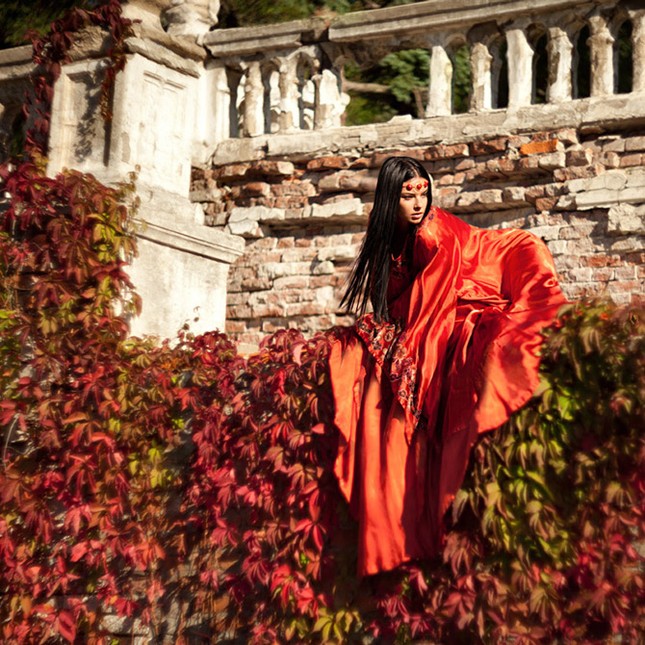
(370, 274)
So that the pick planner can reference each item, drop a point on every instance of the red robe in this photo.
(412, 395)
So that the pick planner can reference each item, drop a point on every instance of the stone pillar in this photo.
(330, 101)
(480, 70)
(440, 96)
(520, 68)
(289, 115)
(219, 104)
(601, 44)
(560, 55)
(253, 124)
(182, 266)
(638, 49)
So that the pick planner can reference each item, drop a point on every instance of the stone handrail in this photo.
(288, 78)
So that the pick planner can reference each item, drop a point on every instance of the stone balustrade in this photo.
(288, 78)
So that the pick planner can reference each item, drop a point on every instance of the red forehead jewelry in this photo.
(423, 184)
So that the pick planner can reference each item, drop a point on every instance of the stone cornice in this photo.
(414, 19)
(197, 240)
(249, 40)
(423, 17)
(15, 63)
(596, 113)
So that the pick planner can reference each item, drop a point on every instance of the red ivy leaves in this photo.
(135, 473)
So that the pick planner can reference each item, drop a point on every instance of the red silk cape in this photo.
(412, 395)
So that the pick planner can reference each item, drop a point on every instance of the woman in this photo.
(448, 352)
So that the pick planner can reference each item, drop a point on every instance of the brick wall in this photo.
(583, 193)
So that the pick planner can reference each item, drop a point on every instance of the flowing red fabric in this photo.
(412, 395)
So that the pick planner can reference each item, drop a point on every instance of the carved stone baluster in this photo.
(520, 68)
(253, 124)
(330, 101)
(638, 49)
(560, 55)
(602, 57)
(480, 66)
(289, 116)
(440, 96)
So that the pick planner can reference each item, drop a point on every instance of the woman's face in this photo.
(413, 201)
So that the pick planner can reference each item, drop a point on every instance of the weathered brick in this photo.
(262, 245)
(546, 232)
(528, 163)
(264, 311)
(328, 163)
(612, 144)
(533, 192)
(440, 166)
(582, 274)
(294, 188)
(235, 327)
(271, 168)
(335, 280)
(285, 242)
(545, 203)
(582, 157)
(487, 147)
(568, 136)
(442, 151)
(358, 183)
(508, 166)
(599, 260)
(603, 274)
(514, 194)
(377, 159)
(464, 164)
(625, 272)
(256, 188)
(554, 190)
(445, 180)
(231, 171)
(637, 258)
(552, 161)
(298, 255)
(361, 162)
(540, 147)
(304, 309)
(517, 140)
(578, 172)
(256, 284)
(329, 182)
(238, 311)
(493, 166)
(634, 143)
(629, 161)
